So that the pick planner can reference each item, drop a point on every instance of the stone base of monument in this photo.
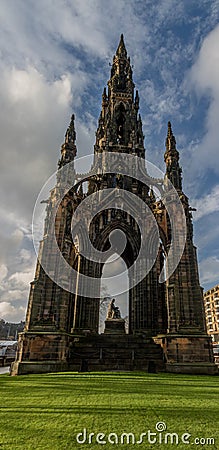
(114, 326)
(188, 353)
(113, 350)
(109, 351)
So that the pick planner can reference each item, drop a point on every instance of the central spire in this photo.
(120, 126)
(121, 50)
(121, 72)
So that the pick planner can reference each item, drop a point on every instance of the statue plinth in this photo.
(114, 326)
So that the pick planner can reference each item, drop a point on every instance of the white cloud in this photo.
(10, 313)
(25, 255)
(17, 236)
(33, 109)
(19, 279)
(204, 77)
(46, 32)
(209, 270)
(207, 204)
(3, 272)
(205, 72)
(29, 88)
(15, 281)
(16, 295)
(11, 238)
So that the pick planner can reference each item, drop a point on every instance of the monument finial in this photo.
(70, 135)
(121, 50)
(169, 131)
(171, 158)
(68, 149)
(170, 140)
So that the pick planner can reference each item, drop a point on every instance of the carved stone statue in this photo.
(113, 311)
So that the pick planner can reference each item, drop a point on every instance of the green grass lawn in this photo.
(48, 411)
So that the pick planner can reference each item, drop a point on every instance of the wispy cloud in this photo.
(205, 79)
(207, 204)
(209, 269)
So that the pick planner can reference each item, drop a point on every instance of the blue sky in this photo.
(55, 58)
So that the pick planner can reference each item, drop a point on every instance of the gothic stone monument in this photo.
(166, 320)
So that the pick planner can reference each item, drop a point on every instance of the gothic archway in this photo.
(120, 123)
(131, 250)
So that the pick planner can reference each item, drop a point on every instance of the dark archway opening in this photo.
(117, 265)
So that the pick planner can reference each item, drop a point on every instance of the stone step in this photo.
(110, 352)
(129, 365)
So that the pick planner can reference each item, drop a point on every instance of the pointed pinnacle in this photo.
(70, 135)
(121, 50)
(104, 96)
(169, 132)
(137, 101)
(170, 140)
